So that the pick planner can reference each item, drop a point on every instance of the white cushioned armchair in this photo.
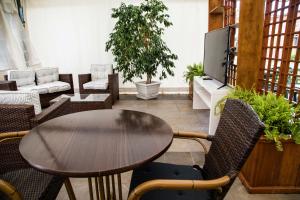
(102, 79)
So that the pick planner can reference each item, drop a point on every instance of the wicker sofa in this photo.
(65, 81)
(102, 79)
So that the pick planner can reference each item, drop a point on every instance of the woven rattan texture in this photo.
(30, 183)
(237, 133)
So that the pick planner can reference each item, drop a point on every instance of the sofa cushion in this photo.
(41, 89)
(56, 86)
(99, 72)
(46, 75)
(21, 97)
(100, 84)
(22, 77)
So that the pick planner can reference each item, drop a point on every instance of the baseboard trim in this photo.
(162, 90)
(165, 90)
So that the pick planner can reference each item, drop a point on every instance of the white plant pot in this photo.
(147, 91)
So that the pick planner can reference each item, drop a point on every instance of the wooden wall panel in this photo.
(251, 21)
(215, 14)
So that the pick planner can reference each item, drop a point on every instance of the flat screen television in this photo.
(216, 50)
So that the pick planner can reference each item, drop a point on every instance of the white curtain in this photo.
(16, 51)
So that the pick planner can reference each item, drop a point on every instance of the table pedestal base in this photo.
(69, 189)
(106, 187)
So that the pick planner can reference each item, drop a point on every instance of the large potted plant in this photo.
(137, 45)
(193, 70)
(273, 165)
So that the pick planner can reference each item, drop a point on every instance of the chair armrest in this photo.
(113, 79)
(138, 192)
(194, 136)
(9, 135)
(190, 134)
(68, 78)
(16, 117)
(82, 79)
(113, 85)
(55, 110)
(9, 190)
(8, 85)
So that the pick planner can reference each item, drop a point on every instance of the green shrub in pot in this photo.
(138, 46)
(193, 70)
(280, 117)
(137, 41)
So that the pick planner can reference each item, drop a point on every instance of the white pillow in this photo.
(46, 75)
(22, 77)
(19, 97)
(100, 71)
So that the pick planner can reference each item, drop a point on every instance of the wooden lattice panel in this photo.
(280, 55)
(229, 12)
(229, 19)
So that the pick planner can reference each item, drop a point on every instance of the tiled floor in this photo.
(177, 111)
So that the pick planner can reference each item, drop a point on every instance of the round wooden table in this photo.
(98, 144)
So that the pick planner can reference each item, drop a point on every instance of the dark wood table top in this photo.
(96, 143)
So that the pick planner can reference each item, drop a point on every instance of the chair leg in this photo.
(69, 189)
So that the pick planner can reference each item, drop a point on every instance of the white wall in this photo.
(71, 34)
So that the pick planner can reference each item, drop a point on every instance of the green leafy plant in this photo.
(280, 117)
(193, 70)
(136, 41)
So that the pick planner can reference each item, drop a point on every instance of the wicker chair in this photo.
(19, 181)
(238, 131)
(22, 117)
(113, 86)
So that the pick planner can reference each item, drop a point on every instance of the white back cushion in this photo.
(100, 71)
(46, 75)
(19, 97)
(22, 77)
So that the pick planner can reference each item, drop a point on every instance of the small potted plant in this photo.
(137, 45)
(193, 70)
(269, 169)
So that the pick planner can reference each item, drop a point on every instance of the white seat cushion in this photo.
(22, 77)
(46, 75)
(38, 88)
(56, 86)
(100, 71)
(21, 97)
(101, 84)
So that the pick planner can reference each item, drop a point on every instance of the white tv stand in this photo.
(206, 95)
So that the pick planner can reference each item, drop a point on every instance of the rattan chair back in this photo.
(237, 133)
(11, 158)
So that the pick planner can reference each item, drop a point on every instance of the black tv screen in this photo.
(216, 46)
